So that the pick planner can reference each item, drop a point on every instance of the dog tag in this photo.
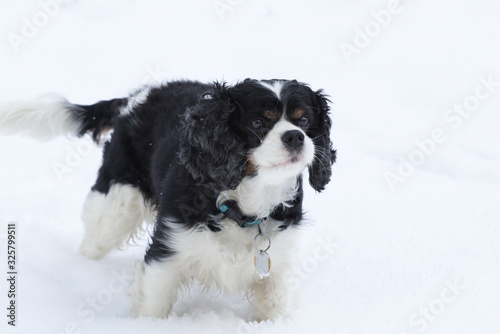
(262, 263)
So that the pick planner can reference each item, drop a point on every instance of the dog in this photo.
(217, 168)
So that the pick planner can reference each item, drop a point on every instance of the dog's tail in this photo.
(51, 116)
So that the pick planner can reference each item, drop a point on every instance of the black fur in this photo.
(319, 171)
(98, 117)
(189, 141)
(291, 214)
(209, 147)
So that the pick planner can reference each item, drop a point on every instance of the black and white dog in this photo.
(218, 168)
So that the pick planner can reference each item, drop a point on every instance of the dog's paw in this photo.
(91, 250)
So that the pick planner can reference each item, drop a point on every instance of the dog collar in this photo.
(230, 210)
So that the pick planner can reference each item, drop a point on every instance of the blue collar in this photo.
(230, 210)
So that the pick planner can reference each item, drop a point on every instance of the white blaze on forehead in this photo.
(274, 87)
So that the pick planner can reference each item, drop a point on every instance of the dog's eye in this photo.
(303, 121)
(257, 124)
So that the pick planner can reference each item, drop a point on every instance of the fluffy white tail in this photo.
(44, 118)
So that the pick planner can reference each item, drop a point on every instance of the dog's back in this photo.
(140, 123)
(136, 156)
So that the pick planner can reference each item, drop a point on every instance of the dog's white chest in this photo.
(227, 258)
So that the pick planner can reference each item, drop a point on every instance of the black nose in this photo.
(293, 139)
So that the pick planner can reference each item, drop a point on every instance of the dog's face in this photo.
(271, 128)
(273, 118)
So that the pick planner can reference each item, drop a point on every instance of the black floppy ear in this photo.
(320, 170)
(209, 148)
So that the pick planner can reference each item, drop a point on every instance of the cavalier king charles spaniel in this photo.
(217, 168)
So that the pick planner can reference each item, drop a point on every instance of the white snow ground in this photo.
(420, 258)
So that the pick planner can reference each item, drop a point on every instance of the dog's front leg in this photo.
(271, 297)
(155, 289)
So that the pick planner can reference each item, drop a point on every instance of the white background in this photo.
(398, 249)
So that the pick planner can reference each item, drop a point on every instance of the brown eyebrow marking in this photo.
(298, 113)
(271, 114)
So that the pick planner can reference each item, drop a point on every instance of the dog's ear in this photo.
(320, 170)
(209, 148)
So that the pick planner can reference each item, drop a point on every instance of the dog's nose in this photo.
(293, 139)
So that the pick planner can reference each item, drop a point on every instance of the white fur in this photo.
(113, 219)
(224, 260)
(257, 196)
(44, 118)
(135, 99)
(275, 87)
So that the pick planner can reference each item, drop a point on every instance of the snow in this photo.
(422, 257)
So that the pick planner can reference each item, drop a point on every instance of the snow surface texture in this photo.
(420, 256)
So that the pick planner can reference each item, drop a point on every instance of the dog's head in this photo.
(270, 128)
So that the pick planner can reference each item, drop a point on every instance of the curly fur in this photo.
(208, 144)
(320, 171)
